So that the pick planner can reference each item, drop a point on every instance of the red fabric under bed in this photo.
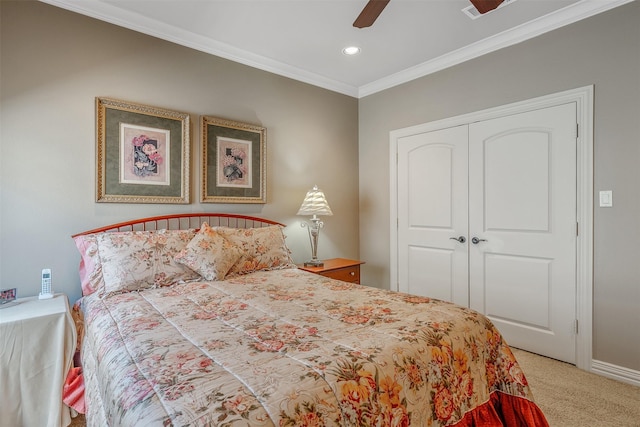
(505, 410)
(73, 390)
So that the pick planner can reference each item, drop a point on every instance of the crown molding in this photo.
(568, 15)
(140, 23)
(136, 22)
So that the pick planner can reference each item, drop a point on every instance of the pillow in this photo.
(90, 265)
(135, 260)
(168, 244)
(262, 249)
(209, 254)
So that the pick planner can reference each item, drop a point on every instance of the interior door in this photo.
(507, 187)
(522, 211)
(432, 213)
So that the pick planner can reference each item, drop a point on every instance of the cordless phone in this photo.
(46, 284)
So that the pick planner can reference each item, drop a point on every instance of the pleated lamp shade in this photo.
(315, 203)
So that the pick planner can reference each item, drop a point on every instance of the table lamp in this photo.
(314, 204)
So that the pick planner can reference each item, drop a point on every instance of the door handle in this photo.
(475, 240)
(460, 239)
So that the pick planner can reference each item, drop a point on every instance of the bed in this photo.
(204, 320)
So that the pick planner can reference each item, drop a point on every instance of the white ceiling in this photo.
(303, 39)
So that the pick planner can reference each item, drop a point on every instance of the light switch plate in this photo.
(606, 199)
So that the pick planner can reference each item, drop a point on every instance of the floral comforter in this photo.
(290, 348)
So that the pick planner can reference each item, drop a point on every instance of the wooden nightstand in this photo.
(347, 270)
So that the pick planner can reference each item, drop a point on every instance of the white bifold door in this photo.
(487, 219)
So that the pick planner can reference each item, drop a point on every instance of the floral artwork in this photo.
(234, 166)
(234, 157)
(144, 154)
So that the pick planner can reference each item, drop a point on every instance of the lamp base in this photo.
(314, 263)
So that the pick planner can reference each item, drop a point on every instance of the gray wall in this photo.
(604, 51)
(53, 65)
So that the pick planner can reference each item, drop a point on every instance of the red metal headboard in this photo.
(185, 221)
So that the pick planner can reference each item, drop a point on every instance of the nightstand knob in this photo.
(353, 273)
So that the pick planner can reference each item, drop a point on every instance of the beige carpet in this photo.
(570, 397)
(78, 421)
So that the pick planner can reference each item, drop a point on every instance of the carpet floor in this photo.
(571, 397)
(568, 396)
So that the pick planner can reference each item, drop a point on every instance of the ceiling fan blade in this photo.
(370, 13)
(485, 6)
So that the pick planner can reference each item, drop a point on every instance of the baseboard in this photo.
(616, 372)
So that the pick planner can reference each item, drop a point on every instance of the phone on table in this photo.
(46, 291)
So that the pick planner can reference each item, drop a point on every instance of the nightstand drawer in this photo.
(347, 270)
(347, 274)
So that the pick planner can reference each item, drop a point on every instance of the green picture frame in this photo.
(143, 153)
(234, 162)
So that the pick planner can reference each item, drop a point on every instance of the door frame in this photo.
(583, 97)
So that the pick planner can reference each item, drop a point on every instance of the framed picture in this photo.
(8, 297)
(143, 153)
(234, 162)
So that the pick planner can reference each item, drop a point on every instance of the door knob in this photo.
(460, 239)
(475, 240)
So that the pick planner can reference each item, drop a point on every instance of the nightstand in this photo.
(347, 270)
(37, 343)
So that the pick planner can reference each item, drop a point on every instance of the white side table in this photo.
(37, 343)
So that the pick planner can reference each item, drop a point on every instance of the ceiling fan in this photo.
(374, 8)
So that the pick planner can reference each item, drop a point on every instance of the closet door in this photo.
(522, 210)
(432, 214)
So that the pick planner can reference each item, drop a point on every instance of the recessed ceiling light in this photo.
(351, 50)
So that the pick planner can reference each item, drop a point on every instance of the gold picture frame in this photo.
(143, 153)
(234, 162)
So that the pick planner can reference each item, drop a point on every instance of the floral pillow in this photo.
(90, 265)
(209, 254)
(135, 260)
(262, 249)
(168, 244)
